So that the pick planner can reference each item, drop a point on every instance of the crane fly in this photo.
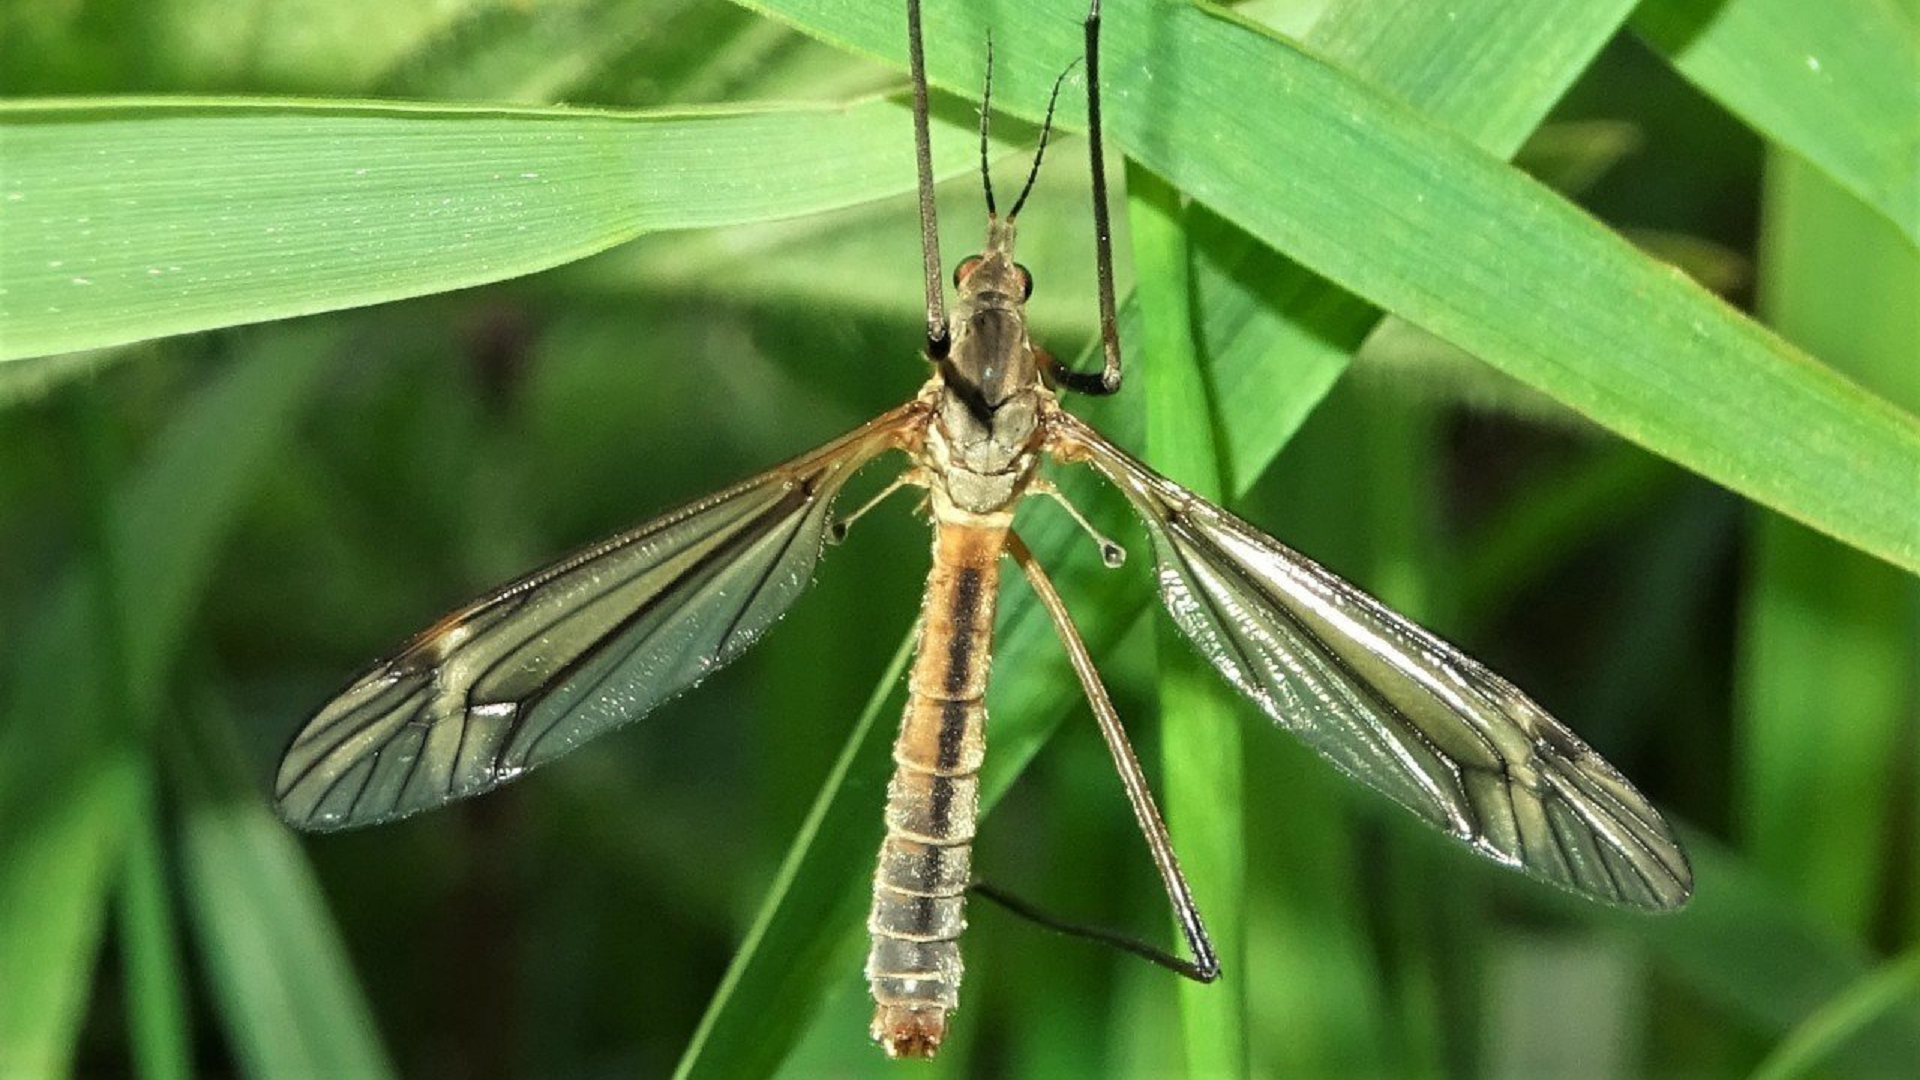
(533, 669)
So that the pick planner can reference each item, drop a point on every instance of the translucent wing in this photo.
(523, 675)
(1392, 705)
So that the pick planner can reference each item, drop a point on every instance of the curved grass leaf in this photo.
(158, 1015)
(56, 866)
(1882, 997)
(1794, 981)
(132, 219)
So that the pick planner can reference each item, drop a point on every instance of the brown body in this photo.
(981, 445)
(920, 886)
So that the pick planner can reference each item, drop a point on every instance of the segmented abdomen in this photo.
(920, 888)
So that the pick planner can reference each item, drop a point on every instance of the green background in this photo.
(406, 298)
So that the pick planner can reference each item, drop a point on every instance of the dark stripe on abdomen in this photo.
(919, 889)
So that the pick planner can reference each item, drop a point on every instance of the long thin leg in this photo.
(915, 476)
(1111, 552)
(1102, 228)
(923, 154)
(1205, 966)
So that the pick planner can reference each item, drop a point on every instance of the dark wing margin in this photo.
(1392, 705)
(526, 673)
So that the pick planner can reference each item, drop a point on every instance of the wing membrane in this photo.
(1394, 706)
(525, 674)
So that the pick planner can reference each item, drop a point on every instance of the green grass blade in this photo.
(156, 979)
(205, 213)
(1895, 986)
(1200, 732)
(66, 730)
(56, 864)
(1828, 674)
(1442, 66)
(280, 975)
(1836, 84)
(1379, 200)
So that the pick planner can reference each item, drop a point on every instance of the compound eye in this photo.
(965, 270)
(1026, 283)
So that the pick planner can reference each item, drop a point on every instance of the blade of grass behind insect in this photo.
(1896, 985)
(156, 990)
(56, 866)
(565, 50)
(69, 799)
(1828, 665)
(1200, 734)
(1836, 84)
(280, 975)
(1321, 1001)
(1277, 338)
(91, 724)
(213, 212)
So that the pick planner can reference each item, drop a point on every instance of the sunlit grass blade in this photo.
(1200, 734)
(1831, 83)
(211, 212)
(1443, 63)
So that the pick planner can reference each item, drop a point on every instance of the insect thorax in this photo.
(981, 463)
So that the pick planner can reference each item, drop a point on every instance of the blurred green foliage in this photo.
(204, 535)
